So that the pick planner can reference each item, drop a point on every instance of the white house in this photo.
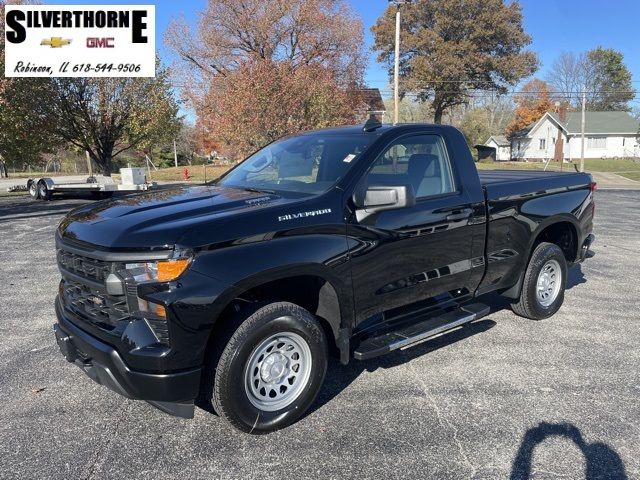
(501, 145)
(607, 135)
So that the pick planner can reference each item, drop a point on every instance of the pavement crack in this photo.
(103, 451)
(446, 424)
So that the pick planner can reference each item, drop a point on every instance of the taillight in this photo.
(593, 186)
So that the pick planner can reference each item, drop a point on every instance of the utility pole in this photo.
(396, 70)
(89, 166)
(584, 121)
(175, 153)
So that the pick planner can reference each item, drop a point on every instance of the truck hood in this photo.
(157, 219)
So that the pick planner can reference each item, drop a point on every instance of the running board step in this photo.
(409, 335)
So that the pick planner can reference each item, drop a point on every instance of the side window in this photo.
(420, 161)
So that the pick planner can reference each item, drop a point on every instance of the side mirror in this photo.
(380, 198)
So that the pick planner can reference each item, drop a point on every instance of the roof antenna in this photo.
(372, 124)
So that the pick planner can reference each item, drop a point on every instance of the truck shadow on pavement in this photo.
(602, 462)
(340, 377)
(575, 276)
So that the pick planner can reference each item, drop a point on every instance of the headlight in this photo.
(158, 271)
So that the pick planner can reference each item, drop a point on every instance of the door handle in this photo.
(459, 215)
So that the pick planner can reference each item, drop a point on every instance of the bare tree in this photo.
(567, 76)
(231, 33)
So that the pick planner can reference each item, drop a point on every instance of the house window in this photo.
(597, 142)
(543, 144)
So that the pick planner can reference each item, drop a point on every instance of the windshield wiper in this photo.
(258, 190)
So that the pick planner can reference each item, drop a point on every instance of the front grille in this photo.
(89, 268)
(104, 310)
(83, 293)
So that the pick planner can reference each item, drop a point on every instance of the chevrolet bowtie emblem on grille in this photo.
(96, 300)
(55, 42)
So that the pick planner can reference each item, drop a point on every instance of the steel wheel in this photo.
(33, 190)
(549, 283)
(43, 191)
(277, 371)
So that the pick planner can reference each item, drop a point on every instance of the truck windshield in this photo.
(310, 163)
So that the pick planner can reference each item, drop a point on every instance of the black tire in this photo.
(33, 190)
(230, 390)
(43, 191)
(529, 305)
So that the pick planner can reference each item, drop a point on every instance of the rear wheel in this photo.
(544, 283)
(43, 191)
(271, 370)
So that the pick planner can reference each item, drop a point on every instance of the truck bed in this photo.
(502, 183)
(518, 202)
(488, 177)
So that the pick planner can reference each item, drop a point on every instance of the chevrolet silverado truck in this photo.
(353, 242)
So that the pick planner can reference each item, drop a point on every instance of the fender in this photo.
(334, 304)
(47, 181)
(564, 217)
(514, 291)
(247, 266)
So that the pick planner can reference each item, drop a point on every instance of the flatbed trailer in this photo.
(133, 180)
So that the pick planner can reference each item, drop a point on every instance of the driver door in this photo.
(418, 254)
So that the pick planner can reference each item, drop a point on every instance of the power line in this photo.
(484, 93)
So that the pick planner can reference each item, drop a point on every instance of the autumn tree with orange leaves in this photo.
(532, 102)
(255, 71)
(260, 102)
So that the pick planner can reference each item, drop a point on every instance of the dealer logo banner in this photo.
(80, 41)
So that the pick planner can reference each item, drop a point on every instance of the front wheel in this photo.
(271, 370)
(544, 283)
(33, 190)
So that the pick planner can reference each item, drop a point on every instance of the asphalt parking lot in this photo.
(502, 398)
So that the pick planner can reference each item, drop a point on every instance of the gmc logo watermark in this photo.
(93, 42)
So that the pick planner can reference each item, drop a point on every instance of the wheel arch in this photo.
(552, 230)
(311, 288)
(563, 230)
(47, 181)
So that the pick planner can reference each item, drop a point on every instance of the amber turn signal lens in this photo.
(161, 311)
(171, 269)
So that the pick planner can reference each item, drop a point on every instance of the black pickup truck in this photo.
(350, 241)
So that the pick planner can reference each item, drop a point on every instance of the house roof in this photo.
(373, 99)
(596, 123)
(500, 140)
(524, 132)
(600, 122)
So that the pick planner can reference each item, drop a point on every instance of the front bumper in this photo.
(173, 393)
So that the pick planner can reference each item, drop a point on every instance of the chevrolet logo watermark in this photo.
(55, 42)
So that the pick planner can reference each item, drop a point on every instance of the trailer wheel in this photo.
(43, 192)
(33, 189)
